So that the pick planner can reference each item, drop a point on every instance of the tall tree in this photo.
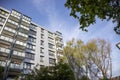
(90, 58)
(99, 52)
(86, 11)
(75, 58)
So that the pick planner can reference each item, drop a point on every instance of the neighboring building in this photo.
(32, 44)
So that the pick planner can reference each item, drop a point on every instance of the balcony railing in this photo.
(21, 34)
(6, 38)
(32, 35)
(11, 40)
(21, 43)
(24, 27)
(9, 29)
(4, 50)
(12, 65)
(17, 53)
(18, 17)
(12, 22)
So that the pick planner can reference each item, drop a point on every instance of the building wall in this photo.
(29, 46)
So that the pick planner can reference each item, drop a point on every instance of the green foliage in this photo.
(60, 71)
(86, 11)
(1, 71)
(84, 78)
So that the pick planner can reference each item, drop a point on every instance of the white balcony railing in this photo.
(10, 40)
(6, 38)
(17, 53)
(13, 22)
(18, 17)
(21, 43)
(9, 29)
(21, 34)
(24, 27)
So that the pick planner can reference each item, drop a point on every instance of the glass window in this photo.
(51, 53)
(41, 58)
(42, 42)
(42, 36)
(51, 61)
(30, 46)
(42, 30)
(29, 56)
(42, 50)
(50, 45)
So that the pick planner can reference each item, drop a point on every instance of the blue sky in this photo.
(52, 15)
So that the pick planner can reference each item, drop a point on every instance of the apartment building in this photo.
(25, 44)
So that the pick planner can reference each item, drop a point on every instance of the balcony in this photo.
(59, 49)
(30, 51)
(10, 29)
(12, 65)
(1, 23)
(15, 53)
(24, 27)
(58, 37)
(52, 49)
(29, 61)
(23, 35)
(59, 43)
(33, 28)
(50, 36)
(32, 35)
(15, 66)
(11, 40)
(14, 17)
(25, 22)
(12, 24)
(51, 41)
(21, 43)
(3, 16)
(3, 13)
(30, 42)
(6, 39)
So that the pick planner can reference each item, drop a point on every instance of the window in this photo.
(50, 40)
(24, 27)
(29, 56)
(27, 65)
(51, 61)
(26, 18)
(3, 13)
(41, 58)
(2, 20)
(50, 45)
(42, 36)
(51, 53)
(42, 50)
(16, 13)
(13, 22)
(32, 32)
(50, 34)
(42, 42)
(31, 46)
(33, 27)
(0, 27)
(31, 39)
(42, 30)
